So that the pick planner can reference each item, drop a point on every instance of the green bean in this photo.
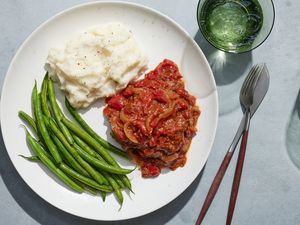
(87, 148)
(113, 179)
(31, 122)
(103, 195)
(105, 181)
(46, 121)
(46, 152)
(116, 188)
(126, 182)
(76, 166)
(86, 187)
(44, 104)
(118, 180)
(84, 179)
(57, 112)
(32, 158)
(114, 185)
(36, 158)
(94, 173)
(86, 137)
(43, 150)
(90, 141)
(28, 119)
(78, 183)
(42, 127)
(97, 163)
(91, 190)
(50, 165)
(94, 154)
(91, 132)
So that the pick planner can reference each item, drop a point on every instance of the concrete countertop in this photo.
(269, 190)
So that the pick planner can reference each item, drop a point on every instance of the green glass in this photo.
(234, 25)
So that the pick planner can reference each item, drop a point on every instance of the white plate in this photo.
(161, 38)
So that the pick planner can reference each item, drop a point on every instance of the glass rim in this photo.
(232, 52)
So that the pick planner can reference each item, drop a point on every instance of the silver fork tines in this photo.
(249, 79)
(249, 85)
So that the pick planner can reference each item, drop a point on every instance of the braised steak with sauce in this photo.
(154, 119)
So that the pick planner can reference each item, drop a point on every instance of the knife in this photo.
(262, 88)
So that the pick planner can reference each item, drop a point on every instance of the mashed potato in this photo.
(96, 63)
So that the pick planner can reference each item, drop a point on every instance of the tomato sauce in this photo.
(154, 119)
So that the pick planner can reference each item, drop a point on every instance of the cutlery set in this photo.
(252, 93)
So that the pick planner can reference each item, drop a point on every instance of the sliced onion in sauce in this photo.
(171, 158)
(168, 112)
(148, 122)
(129, 134)
(123, 117)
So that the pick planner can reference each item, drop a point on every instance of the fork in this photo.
(246, 98)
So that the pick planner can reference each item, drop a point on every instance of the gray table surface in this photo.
(269, 192)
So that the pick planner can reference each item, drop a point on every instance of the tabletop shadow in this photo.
(229, 71)
(293, 134)
(45, 213)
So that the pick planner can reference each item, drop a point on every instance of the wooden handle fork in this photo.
(214, 186)
(237, 175)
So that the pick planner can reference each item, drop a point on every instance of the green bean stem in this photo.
(42, 149)
(32, 158)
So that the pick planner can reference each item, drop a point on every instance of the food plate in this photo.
(161, 38)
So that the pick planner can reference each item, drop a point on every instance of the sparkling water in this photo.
(231, 25)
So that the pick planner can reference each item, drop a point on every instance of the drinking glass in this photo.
(235, 26)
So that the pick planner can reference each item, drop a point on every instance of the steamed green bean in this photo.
(91, 132)
(42, 127)
(35, 146)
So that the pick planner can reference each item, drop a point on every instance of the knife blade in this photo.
(262, 88)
